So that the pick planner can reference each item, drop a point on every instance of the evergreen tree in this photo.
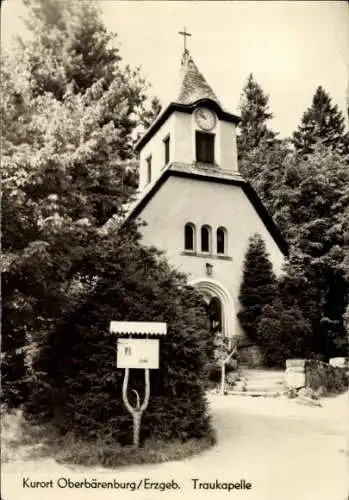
(255, 114)
(313, 201)
(264, 169)
(323, 122)
(260, 153)
(71, 48)
(258, 287)
(312, 208)
(344, 222)
(70, 45)
(79, 387)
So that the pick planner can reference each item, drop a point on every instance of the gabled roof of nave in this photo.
(202, 172)
(193, 86)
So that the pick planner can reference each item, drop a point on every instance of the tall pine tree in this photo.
(261, 154)
(255, 114)
(321, 122)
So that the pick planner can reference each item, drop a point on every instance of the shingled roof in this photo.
(193, 89)
(193, 85)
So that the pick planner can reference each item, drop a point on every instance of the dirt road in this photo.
(274, 449)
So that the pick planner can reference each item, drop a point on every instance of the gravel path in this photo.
(287, 451)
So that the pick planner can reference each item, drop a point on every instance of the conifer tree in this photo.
(344, 222)
(263, 168)
(260, 153)
(258, 287)
(71, 48)
(255, 113)
(323, 122)
(269, 315)
(312, 212)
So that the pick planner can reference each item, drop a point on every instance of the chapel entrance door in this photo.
(214, 310)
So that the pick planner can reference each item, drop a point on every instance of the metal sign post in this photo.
(139, 353)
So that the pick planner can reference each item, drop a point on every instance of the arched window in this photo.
(205, 239)
(189, 237)
(221, 240)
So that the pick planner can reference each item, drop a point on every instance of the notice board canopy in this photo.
(121, 328)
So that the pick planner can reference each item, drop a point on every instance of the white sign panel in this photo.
(138, 353)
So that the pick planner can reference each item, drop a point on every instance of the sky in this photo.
(291, 47)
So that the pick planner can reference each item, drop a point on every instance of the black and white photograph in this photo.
(175, 249)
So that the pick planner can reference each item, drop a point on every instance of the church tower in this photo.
(193, 130)
(197, 207)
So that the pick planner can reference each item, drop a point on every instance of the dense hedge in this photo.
(78, 387)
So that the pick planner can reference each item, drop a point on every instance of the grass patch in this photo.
(22, 441)
(72, 450)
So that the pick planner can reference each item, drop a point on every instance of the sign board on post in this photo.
(138, 353)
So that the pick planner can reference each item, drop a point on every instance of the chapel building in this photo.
(196, 205)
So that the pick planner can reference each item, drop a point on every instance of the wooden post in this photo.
(223, 369)
(138, 411)
(223, 379)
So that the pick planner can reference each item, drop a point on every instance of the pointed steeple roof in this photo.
(193, 85)
(193, 88)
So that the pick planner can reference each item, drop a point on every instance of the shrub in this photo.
(78, 388)
(282, 333)
(330, 379)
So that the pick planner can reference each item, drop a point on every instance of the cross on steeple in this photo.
(185, 34)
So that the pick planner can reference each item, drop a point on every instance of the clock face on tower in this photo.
(205, 118)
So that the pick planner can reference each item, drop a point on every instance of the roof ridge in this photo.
(185, 170)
